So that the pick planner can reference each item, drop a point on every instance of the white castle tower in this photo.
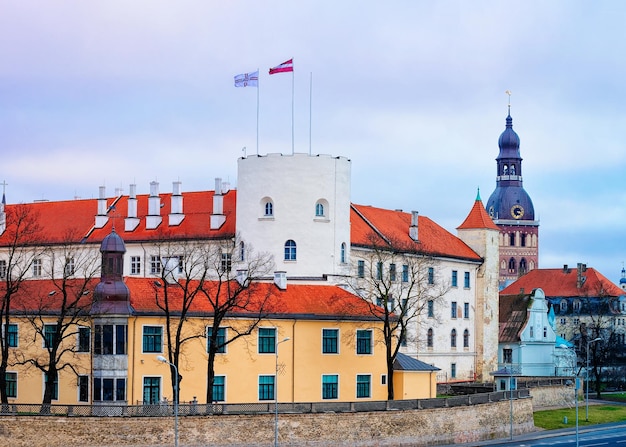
(297, 208)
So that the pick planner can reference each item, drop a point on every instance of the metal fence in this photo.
(196, 409)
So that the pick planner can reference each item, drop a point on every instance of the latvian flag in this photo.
(282, 68)
(247, 80)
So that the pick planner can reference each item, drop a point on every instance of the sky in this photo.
(112, 92)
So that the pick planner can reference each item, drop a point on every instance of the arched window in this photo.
(522, 266)
(512, 265)
(512, 239)
(290, 250)
(269, 209)
(343, 253)
(319, 209)
(503, 264)
(466, 338)
(453, 338)
(522, 240)
(429, 338)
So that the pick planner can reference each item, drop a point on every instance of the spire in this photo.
(478, 196)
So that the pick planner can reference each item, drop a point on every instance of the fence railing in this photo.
(197, 409)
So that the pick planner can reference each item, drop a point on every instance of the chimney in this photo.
(101, 217)
(153, 219)
(242, 276)
(131, 221)
(280, 279)
(3, 215)
(580, 279)
(176, 211)
(565, 269)
(413, 233)
(217, 217)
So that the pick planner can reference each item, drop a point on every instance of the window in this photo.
(49, 331)
(268, 209)
(532, 332)
(267, 340)
(379, 271)
(11, 384)
(454, 278)
(576, 305)
(511, 265)
(383, 379)
(512, 239)
(37, 267)
(576, 321)
(563, 306)
(466, 338)
(563, 320)
(522, 240)
(360, 269)
(290, 250)
(405, 273)
(429, 338)
(70, 267)
(545, 331)
(453, 338)
(266, 387)
(330, 386)
(135, 265)
(453, 309)
(220, 340)
(431, 309)
(84, 339)
(151, 390)
(507, 355)
(319, 210)
(219, 383)
(55, 387)
(330, 338)
(227, 262)
(363, 341)
(453, 370)
(114, 389)
(3, 269)
(431, 275)
(392, 272)
(343, 253)
(11, 335)
(155, 265)
(83, 388)
(466, 282)
(152, 339)
(466, 310)
(363, 385)
(110, 339)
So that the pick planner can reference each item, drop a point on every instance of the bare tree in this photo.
(398, 283)
(220, 273)
(18, 252)
(56, 315)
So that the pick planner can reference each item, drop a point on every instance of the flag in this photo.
(247, 79)
(282, 68)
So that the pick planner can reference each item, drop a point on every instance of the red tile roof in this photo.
(513, 313)
(301, 301)
(371, 226)
(478, 218)
(563, 283)
(76, 218)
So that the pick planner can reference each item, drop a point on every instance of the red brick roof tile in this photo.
(478, 218)
(370, 225)
(563, 283)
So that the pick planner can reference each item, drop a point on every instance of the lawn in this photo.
(598, 414)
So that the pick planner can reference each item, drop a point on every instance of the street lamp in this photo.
(511, 388)
(276, 392)
(587, 379)
(162, 359)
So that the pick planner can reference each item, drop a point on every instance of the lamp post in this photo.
(511, 389)
(587, 379)
(276, 391)
(162, 359)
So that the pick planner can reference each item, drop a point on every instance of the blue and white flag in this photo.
(247, 79)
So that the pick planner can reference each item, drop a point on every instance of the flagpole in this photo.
(258, 87)
(310, 110)
(292, 95)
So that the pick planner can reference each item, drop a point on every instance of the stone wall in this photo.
(545, 397)
(387, 428)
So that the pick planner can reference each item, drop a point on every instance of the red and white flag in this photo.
(282, 68)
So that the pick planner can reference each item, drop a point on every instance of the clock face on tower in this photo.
(517, 211)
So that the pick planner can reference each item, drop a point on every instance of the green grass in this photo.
(598, 414)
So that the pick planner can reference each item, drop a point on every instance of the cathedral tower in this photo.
(512, 211)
